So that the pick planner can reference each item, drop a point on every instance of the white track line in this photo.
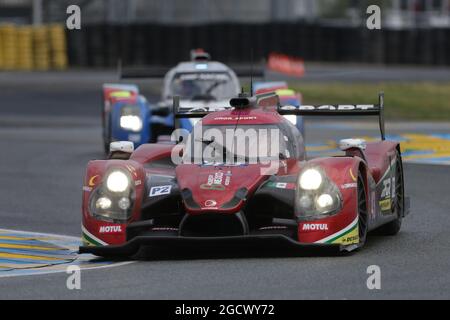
(38, 271)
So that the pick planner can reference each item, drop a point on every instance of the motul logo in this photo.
(315, 227)
(110, 229)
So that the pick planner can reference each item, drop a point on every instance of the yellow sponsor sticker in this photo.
(351, 237)
(385, 205)
(92, 180)
(121, 94)
(285, 92)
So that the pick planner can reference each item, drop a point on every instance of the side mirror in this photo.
(346, 144)
(120, 150)
(121, 146)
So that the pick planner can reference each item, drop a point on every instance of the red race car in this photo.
(241, 177)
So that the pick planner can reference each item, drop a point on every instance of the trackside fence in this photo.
(139, 44)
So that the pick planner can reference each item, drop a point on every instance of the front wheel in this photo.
(398, 205)
(363, 225)
(106, 136)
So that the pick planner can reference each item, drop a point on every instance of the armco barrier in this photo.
(136, 44)
(32, 48)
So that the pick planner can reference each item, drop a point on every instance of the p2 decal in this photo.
(160, 191)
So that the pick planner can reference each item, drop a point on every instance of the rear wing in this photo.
(190, 112)
(340, 110)
(264, 100)
(147, 72)
(247, 71)
(141, 72)
(187, 113)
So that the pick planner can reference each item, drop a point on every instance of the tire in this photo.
(106, 147)
(393, 227)
(105, 127)
(363, 225)
(106, 137)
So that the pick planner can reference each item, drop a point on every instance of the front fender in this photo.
(103, 232)
(341, 227)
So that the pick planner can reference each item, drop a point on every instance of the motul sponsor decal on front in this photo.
(315, 227)
(110, 229)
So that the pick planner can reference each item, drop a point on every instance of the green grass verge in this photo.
(410, 101)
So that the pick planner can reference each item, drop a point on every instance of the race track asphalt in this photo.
(43, 156)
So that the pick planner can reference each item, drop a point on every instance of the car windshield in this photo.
(236, 144)
(203, 86)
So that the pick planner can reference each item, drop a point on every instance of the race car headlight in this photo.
(130, 122)
(317, 195)
(117, 181)
(310, 179)
(103, 203)
(324, 201)
(124, 203)
(130, 118)
(114, 199)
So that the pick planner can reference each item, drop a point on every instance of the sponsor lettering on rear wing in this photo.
(196, 112)
(340, 110)
(155, 71)
(263, 100)
(141, 72)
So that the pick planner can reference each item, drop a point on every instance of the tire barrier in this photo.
(147, 44)
(25, 59)
(41, 48)
(1, 51)
(58, 47)
(33, 47)
(9, 46)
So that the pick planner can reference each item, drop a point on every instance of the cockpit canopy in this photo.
(203, 86)
(235, 143)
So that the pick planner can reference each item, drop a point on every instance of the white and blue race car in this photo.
(201, 84)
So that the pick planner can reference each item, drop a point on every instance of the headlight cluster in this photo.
(317, 196)
(130, 118)
(117, 181)
(113, 200)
